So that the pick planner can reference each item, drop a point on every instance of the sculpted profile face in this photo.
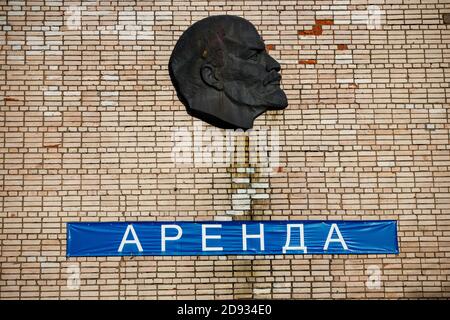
(223, 74)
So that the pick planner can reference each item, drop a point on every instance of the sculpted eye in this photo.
(254, 56)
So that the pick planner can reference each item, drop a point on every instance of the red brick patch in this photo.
(342, 47)
(307, 61)
(316, 31)
(324, 22)
(270, 47)
(10, 99)
(317, 28)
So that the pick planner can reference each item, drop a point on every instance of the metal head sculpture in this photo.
(223, 74)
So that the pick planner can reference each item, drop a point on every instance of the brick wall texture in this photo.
(88, 113)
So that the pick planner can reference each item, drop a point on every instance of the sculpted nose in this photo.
(272, 64)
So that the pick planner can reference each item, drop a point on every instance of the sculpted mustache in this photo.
(272, 76)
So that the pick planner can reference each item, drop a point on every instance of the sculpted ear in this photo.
(211, 77)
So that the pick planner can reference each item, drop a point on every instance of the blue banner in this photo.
(231, 238)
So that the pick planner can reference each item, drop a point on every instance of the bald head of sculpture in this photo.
(223, 74)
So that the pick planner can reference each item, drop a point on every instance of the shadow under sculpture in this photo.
(223, 74)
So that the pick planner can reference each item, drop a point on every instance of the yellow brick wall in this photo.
(88, 111)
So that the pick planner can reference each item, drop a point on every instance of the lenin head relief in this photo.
(223, 74)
